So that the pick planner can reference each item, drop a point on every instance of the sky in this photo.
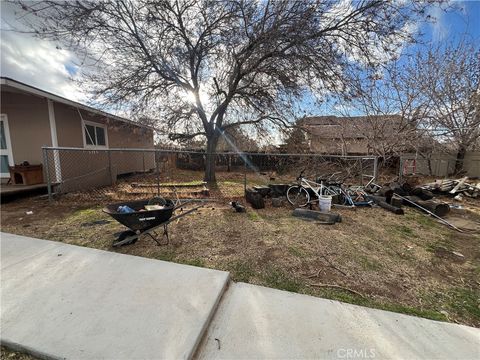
(41, 64)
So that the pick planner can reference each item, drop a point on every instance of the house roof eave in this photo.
(5, 81)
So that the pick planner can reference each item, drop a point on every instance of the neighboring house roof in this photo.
(5, 81)
(333, 127)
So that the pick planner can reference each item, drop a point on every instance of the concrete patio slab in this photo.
(20, 248)
(254, 322)
(65, 301)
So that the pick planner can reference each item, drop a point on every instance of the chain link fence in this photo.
(122, 174)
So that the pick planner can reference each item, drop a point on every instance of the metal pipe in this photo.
(219, 153)
(429, 212)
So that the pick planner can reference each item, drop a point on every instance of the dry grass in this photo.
(398, 263)
(7, 354)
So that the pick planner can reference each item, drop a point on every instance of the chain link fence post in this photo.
(47, 173)
(400, 172)
(245, 176)
(360, 169)
(157, 167)
(375, 168)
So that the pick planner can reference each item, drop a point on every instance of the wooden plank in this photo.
(460, 183)
(170, 185)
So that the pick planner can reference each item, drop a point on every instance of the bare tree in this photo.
(201, 67)
(428, 102)
(449, 76)
(296, 141)
(236, 139)
(392, 107)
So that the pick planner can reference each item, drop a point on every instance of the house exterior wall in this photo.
(29, 126)
(69, 126)
(119, 134)
(338, 146)
(86, 169)
(351, 135)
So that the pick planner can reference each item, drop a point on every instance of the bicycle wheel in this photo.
(298, 196)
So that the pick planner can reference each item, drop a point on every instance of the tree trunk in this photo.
(210, 159)
(429, 163)
(459, 161)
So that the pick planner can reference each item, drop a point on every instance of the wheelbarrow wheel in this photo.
(157, 200)
(125, 235)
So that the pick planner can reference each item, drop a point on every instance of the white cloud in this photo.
(439, 27)
(36, 62)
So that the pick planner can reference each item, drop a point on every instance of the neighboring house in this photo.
(32, 118)
(356, 135)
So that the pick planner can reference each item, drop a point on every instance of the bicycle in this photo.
(299, 195)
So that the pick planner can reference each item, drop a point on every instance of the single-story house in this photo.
(351, 135)
(32, 118)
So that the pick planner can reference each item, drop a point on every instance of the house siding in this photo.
(93, 165)
(29, 125)
(69, 126)
(338, 146)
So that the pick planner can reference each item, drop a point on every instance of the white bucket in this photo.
(325, 203)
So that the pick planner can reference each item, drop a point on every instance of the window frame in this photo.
(95, 125)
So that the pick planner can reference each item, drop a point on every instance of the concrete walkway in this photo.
(64, 301)
(255, 322)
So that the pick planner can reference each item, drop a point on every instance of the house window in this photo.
(94, 135)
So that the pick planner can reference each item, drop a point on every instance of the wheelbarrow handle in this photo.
(182, 204)
(183, 214)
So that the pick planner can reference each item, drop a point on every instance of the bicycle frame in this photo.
(320, 189)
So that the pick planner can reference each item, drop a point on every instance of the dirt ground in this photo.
(410, 264)
(14, 355)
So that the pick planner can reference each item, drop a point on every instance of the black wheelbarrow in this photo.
(144, 222)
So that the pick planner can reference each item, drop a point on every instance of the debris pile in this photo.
(458, 188)
(392, 196)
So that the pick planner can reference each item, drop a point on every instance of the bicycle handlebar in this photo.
(301, 174)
